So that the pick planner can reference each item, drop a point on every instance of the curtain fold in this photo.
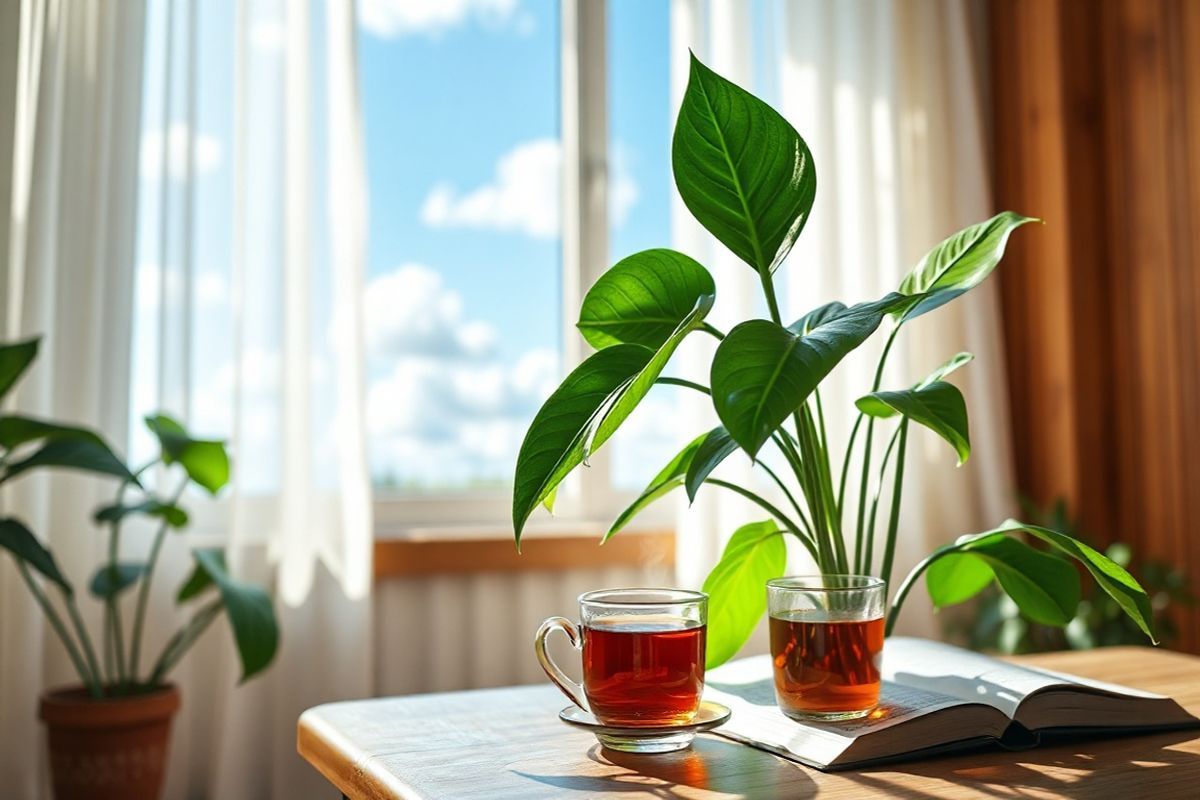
(887, 96)
(73, 73)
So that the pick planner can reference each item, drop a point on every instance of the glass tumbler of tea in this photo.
(643, 655)
(826, 645)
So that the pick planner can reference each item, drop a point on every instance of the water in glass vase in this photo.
(640, 671)
(826, 668)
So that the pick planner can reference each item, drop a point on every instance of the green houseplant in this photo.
(108, 738)
(748, 177)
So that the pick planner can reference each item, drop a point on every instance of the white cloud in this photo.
(523, 195)
(391, 18)
(207, 153)
(409, 312)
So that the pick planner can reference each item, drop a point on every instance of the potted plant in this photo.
(748, 177)
(108, 736)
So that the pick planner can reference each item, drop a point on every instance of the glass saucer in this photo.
(662, 739)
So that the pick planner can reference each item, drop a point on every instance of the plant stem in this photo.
(81, 631)
(685, 383)
(764, 276)
(783, 488)
(89, 679)
(911, 579)
(184, 638)
(768, 507)
(870, 537)
(841, 496)
(139, 615)
(897, 492)
(711, 331)
(866, 461)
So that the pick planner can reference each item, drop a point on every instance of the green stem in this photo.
(184, 638)
(870, 538)
(81, 631)
(711, 331)
(909, 581)
(89, 679)
(764, 276)
(139, 614)
(846, 467)
(866, 461)
(685, 383)
(766, 506)
(897, 492)
(783, 488)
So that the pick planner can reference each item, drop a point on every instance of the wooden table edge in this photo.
(323, 747)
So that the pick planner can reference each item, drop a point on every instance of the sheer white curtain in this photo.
(67, 210)
(886, 94)
(249, 326)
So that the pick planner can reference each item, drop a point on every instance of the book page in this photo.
(747, 687)
(968, 676)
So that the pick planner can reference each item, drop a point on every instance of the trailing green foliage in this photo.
(748, 177)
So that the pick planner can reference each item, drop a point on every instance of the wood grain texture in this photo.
(1096, 108)
(486, 552)
(508, 743)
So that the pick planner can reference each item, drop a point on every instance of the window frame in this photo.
(591, 499)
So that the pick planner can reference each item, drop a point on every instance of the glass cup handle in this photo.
(567, 686)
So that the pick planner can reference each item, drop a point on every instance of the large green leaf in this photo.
(173, 515)
(87, 455)
(957, 577)
(1111, 576)
(737, 587)
(817, 317)
(668, 478)
(642, 299)
(250, 611)
(715, 448)
(15, 358)
(741, 169)
(762, 372)
(959, 263)
(1044, 587)
(204, 460)
(199, 581)
(109, 581)
(16, 430)
(953, 363)
(585, 410)
(18, 540)
(938, 406)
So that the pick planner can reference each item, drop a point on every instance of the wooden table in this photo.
(508, 743)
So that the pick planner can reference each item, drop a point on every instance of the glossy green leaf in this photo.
(199, 581)
(959, 264)
(668, 478)
(204, 460)
(1109, 575)
(18, 540)
(1044, 587)
(16, 430)
(956, 578)
(251, 615)
(173, 515)
(110, 581)
(715, 448)
(938, 406)
(741, 169)
(762, 372)
(15, 358)
(952, 364)
(817, 317)
(585, 410)
(643, 299)
(86, 455)
(554, 443)
(737, 587)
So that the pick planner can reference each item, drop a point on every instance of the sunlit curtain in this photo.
(69, 78)
(886, 94)
(248, 326)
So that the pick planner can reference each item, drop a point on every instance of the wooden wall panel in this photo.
(1097, 130)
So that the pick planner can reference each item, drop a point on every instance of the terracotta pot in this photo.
(111, 748)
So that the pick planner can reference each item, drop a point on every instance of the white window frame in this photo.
(589, 500)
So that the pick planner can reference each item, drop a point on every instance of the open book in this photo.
(937, 698)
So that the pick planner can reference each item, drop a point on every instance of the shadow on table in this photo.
(715, 765)
(1145, 762)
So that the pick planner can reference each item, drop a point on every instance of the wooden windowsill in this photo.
(477, 551)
